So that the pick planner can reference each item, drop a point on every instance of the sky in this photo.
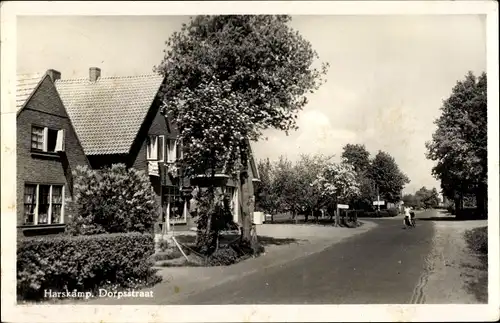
(387, 78)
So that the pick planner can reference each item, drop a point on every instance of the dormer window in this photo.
(45, 139)
(155, 148)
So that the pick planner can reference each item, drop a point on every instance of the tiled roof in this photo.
(107, 114)
(25, 85)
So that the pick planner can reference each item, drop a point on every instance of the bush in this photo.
(477, 239)
(389, 212)
(223, 257)
(111, 200)
(231, 254)
(84, 263)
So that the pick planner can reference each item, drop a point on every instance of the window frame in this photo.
(171, 150)
(155, 144)
(59, 145)
(36, 202)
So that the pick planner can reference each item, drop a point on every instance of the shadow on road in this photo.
(266, 241)
(450, 218)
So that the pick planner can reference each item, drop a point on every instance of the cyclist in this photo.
(408, 221)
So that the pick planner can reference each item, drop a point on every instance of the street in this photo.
(386, 265)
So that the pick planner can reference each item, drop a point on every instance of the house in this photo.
(118, 120)
(48, 149)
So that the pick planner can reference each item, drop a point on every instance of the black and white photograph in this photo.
(288, 162)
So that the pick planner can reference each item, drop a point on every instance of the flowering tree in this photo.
(227, 79)
(310, 197)
(338, 182)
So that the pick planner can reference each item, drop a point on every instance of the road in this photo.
(386, 265)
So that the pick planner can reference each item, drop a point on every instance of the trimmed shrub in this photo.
(84, 263)
(111, 200)
(223, 257)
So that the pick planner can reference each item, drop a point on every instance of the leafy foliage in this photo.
(227, 79)
(84, 263)
(388, 178)
(268, 191)
(423, 198)
(357, 156)
(111, 200)
(309, 196)
(459, 144)
(215, 207)
(338, 181)
(230, 77)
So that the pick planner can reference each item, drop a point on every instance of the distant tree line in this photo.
(315, 183)
(422, 199)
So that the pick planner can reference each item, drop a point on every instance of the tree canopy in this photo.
(423, 198)
(387, 177)
(230, 77)
(358, 156)
(459, 144)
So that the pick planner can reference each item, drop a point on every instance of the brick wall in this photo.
(45, 109)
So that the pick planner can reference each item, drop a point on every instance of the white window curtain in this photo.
(152, 148)
(171, 150)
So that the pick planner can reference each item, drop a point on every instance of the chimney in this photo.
(94, 73)
(54, 75)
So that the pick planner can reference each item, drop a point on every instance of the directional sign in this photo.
(378, 202)
(343, 206)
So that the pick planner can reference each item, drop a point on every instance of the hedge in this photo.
(386, 213)
(84, 263)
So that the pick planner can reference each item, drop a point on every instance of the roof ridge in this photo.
(77, 79)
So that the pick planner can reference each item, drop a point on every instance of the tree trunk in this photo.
(337, 217)
(272, 218)
(246, 220)
(482, 200)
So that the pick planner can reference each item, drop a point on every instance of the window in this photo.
(29, 204)
(171, 150)
(47, 140)
(43, 204)
(175, 205)
(155, 148)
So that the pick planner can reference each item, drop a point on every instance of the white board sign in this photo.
(342, 206)
(378, 202)
(153, 169)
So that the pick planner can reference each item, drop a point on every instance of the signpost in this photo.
(337, 216)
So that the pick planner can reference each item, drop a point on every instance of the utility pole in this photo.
(378, 200)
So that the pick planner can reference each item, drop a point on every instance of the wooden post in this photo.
(337, 216)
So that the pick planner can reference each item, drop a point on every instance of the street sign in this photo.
(343, 206)
(378, 202)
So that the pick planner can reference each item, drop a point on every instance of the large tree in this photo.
(459, 144)
(227, 79)
(359, 157)
(389, 180)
